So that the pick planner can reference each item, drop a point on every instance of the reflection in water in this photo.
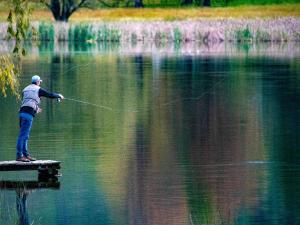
(285, 49)
(207, 137)
(21, 202)
(23, 190)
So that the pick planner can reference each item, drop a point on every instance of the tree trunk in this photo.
(206, 3)
(138, 4)
(63, 9)
(60, 10)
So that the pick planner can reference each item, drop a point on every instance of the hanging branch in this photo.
(17, 30)
(18, 24)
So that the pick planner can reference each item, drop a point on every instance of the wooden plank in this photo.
(28, 185)
(33, 165)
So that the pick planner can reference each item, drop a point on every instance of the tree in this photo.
(17, 29)
(206, 3)
(63, 9)
(137, 3)
(8, 75)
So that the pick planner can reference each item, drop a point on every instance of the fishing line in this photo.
(74, 67)
(138, 110)
(79, 101)
(195, 98)
(89, 103)
(163, 105)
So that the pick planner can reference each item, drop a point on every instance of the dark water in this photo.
(191, 139)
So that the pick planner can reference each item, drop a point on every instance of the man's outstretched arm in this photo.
(47, 94)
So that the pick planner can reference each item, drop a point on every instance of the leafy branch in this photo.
(17, 30)
(9, 73)
(19, 24)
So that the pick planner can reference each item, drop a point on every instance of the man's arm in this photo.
(47, 94)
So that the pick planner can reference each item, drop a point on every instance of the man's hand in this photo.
(61, 96)
(39, 110)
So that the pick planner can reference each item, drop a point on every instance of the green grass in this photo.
(252, 2)
(94, 4)
(171, 14)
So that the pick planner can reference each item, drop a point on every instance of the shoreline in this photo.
(289, 50)
(285, 29)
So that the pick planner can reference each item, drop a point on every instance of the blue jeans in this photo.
(25, 126)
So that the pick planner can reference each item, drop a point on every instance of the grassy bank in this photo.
(202, 30)
(170, 14)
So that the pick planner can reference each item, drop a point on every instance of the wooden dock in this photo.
(46, 168)
(28, 185)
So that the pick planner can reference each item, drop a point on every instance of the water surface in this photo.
(193, 137)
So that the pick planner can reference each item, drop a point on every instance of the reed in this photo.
(177, 35)
(243, 35)
(45, 31)
(202, 31)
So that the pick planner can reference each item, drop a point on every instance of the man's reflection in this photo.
(23, 189)
(21, 202)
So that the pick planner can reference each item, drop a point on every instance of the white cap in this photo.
(35, 79)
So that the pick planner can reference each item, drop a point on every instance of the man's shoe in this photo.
(22, 159)
(30, 158)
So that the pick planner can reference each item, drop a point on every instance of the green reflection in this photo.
(190, 140)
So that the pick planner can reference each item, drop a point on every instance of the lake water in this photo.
(177, 135)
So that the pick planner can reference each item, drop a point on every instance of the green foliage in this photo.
(18, 29)
(177, 35)
(244, 35)
(105, 34)
(8, 75)
(86, 33)
(220, 3)
(81, 32)
(18, 24)
(162, 3)
(46, 31)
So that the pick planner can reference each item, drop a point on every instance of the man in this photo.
(29, 108)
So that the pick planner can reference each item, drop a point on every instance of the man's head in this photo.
(36, 80)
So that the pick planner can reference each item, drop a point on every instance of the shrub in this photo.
(46, 31)
(177, 35)
(105, 34)
(81, 32)
(244, 35)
